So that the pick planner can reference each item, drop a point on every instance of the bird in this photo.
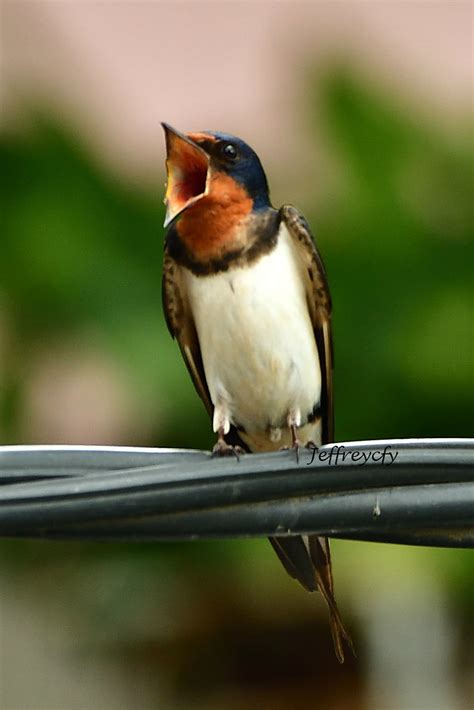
(246, 296)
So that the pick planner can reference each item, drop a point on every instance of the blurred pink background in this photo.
(220, 65)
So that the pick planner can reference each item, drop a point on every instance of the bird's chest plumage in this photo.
(257, 342)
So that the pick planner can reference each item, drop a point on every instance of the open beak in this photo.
(187, 167)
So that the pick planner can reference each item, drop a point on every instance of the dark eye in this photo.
(229, 151)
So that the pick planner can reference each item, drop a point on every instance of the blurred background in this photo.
(360, 112)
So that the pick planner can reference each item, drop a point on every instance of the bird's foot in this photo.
(222, 448)
(296, 446)
(295, 440)
(311, 445)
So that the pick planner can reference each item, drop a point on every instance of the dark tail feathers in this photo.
(308, 560)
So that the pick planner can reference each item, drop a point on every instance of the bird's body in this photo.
(269, 341)
(245, 294)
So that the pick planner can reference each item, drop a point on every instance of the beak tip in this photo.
(168, 129)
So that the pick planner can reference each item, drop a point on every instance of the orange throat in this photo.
(215, 224)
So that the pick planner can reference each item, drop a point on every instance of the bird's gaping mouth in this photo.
(187, 166)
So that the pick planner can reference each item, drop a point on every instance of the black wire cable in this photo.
(418, 492)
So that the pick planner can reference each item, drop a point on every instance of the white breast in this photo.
(256, 337)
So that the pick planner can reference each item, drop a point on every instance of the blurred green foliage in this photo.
(398, 245)
(81, 249)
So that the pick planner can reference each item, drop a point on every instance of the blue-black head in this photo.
(236, 158)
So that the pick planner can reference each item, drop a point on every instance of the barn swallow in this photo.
(246, 296)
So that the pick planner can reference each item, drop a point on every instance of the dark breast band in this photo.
(261, 239)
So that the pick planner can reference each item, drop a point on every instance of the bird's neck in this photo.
(211, 227)
(210, 232)
(216, 224)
